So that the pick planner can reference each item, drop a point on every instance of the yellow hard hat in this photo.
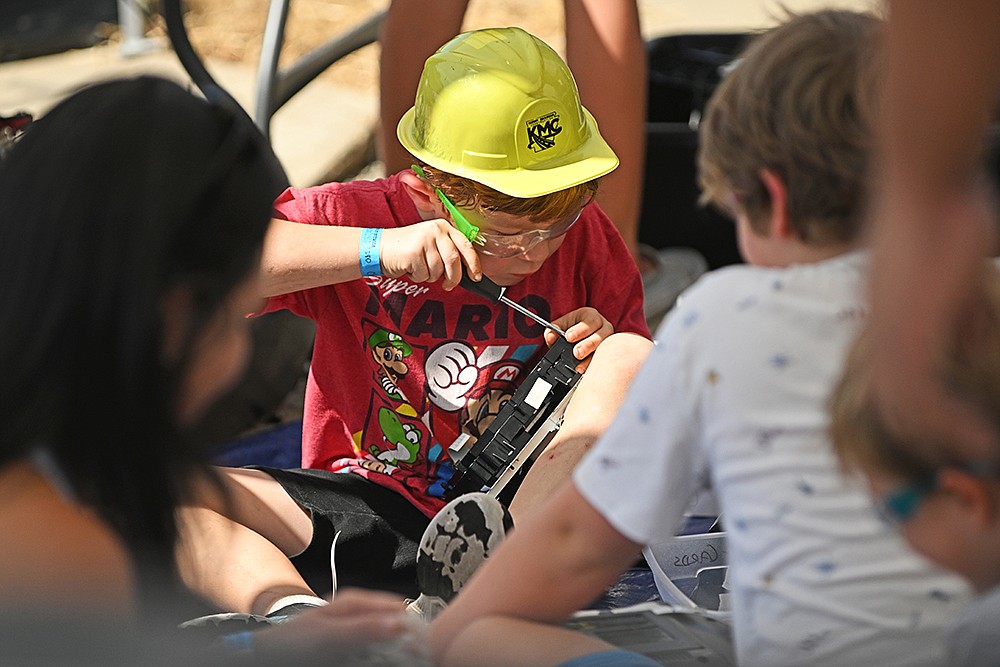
(500, 107)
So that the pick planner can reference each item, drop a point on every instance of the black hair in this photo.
(120, 193)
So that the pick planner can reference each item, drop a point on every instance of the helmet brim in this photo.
(590, 160)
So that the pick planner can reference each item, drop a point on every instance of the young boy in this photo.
(404, 363)
(946, 506)
(734, 396)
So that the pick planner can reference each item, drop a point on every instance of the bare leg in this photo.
(607, 55)
(598, 395)
(411, 32)
(234, 546)
(487, 641)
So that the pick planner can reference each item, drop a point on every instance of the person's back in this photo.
(815, 576)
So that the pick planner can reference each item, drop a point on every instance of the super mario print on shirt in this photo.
(400, 369)
(458, 388)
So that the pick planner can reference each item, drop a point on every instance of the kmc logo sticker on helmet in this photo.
(542, 131)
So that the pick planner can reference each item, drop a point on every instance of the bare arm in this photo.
(487, 643)
(943, 76)
(606, 52)
(299, 256)
(411, 32)
(560, 559)
(934, 215)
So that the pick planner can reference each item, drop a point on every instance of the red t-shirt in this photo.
(400, 369)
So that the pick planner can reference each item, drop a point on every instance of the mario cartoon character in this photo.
(492, 390)
(388, 350)
(467, 387)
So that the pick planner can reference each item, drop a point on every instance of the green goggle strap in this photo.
(469, 230)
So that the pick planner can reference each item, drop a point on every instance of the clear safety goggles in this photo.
(511, 245)
(498, 244)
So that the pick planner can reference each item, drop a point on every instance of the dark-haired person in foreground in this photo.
(131, 222)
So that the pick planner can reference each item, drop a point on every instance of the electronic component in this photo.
(525, 424)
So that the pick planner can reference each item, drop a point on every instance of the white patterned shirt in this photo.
(734, 397)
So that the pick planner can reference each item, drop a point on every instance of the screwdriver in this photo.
(489, 289)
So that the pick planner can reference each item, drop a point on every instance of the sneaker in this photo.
(673, 270)
(426, 607)
(456, 542)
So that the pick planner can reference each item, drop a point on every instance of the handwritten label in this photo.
(709, 554)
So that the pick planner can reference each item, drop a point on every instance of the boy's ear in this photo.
(777, 192)
(976, 494)
(422, 193)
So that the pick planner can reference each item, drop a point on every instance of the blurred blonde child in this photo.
(946, 504)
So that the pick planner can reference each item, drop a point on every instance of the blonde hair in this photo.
(466, 193)
(970, 369)
(800, 103)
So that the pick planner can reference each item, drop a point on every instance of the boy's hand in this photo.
(426, 251)
(584, 326)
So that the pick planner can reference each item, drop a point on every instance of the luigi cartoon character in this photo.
(388, 350)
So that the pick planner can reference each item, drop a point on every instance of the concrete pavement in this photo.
(323, 127)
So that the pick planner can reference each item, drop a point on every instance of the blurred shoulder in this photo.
(56, 553)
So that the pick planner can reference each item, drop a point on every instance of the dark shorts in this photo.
(379, 531)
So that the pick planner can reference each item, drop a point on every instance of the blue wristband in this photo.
(370, 252)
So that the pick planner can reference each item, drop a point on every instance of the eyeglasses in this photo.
(501, 245)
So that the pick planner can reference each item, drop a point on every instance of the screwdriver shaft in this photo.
(524, 311)
(490, 290)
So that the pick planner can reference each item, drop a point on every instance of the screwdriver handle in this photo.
(485, 287)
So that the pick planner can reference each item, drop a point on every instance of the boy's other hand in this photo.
(586, 328)
(427, 252)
